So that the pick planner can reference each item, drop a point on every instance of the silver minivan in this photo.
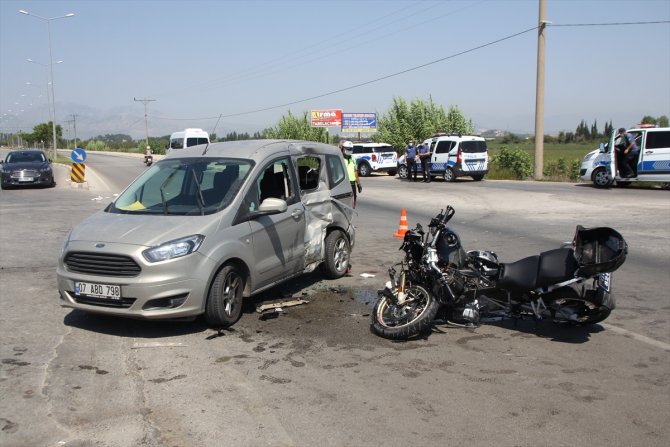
(209, 225)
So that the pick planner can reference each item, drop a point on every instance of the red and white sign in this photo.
(326, 118)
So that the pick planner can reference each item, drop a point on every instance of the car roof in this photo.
(23, 151)
(256, 150)
(372, 144)
(649, 129)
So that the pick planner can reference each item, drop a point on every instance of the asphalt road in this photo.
(316, 375)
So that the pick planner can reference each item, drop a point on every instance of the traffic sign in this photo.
(78, 155)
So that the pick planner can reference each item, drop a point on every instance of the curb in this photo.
(75, 185)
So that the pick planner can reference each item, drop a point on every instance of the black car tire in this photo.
(338, 251)
(224, 302)
(364, 169)
(402, 172)
(449, 175)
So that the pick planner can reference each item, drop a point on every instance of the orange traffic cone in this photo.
(402, 229)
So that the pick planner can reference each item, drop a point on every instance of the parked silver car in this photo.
(209, 225)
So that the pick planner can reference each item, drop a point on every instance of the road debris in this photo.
(157, 344)
(277, 305)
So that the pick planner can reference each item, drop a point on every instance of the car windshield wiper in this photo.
(165, 206)
(201, 199)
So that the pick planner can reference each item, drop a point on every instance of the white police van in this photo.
(453, 156)
(601, 166)
(375, 157)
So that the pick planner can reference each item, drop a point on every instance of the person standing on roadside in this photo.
(629, 154)
(410, 159)
(424, 156)
(347, 150)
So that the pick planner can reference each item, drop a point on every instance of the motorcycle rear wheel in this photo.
(578, 312)
(402, 322)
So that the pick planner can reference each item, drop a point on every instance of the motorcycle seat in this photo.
(520, 275)
(556, 266)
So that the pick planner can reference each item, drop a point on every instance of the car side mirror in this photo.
(602, 147)
(272, 205)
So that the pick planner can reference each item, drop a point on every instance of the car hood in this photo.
(144, 230)
(26, 165)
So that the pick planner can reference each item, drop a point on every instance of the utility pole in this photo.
(68, 132)
(146, 125)
(539, 93)
(74, 122)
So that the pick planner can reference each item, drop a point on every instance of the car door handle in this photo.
(648, 152)
(296, 214)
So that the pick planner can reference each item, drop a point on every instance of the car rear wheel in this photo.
(338, 249)
(363, 169)
(478, 177)
(402, 172)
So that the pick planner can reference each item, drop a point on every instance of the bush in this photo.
(562, 169)
(517, 161)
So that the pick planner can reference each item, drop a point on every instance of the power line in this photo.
(403, 71)
(610, 24)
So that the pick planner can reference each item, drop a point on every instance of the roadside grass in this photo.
(561, 161)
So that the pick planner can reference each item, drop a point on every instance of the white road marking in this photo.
(636, 336)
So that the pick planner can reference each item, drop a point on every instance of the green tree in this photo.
(291, 127)
(43, 132)
(663, 121)
(648, 120)
(418, 120)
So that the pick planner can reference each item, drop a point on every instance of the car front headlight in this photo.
(174, 249)
(46, 169)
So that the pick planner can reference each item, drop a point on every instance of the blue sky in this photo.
(202, 59)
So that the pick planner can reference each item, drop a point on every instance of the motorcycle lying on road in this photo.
(571, 284)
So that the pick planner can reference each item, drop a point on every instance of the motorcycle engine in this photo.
(485, 262)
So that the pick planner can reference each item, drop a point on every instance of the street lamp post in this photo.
(51, 112)
(51, 70)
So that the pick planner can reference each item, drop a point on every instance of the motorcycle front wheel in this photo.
(400, 322)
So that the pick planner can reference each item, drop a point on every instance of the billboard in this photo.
(359, 122)
(326, 118)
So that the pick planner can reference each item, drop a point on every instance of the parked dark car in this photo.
(26, 167)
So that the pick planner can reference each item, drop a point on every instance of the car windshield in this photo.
(26, 157)
(184, 186)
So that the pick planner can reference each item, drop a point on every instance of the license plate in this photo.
(25, 179)
(107, 291)
(605, 281)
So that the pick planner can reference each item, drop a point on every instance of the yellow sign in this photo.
(78, 173)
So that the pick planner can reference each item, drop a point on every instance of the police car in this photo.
(454, 155)
(375, 157)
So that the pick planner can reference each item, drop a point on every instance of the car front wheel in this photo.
(449, 175)
(402, 172)
(224, 303)
(602, 178)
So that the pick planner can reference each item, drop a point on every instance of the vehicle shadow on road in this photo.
(126, 327)
(562, 333)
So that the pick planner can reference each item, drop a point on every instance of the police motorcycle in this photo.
(570, 285)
